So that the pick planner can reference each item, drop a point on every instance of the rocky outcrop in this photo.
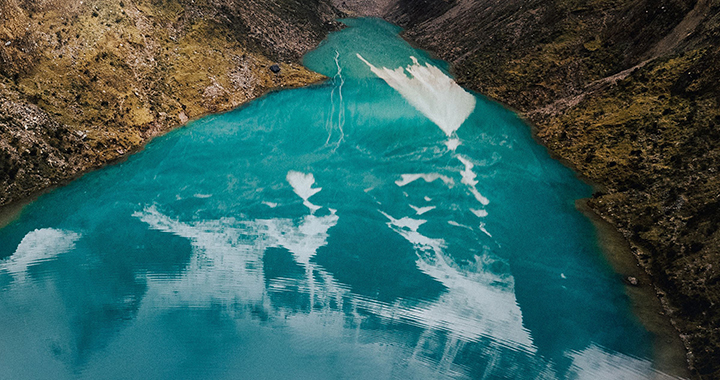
(85, 83)
(625, 92)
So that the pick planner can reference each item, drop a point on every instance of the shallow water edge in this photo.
(668, 347)
(11, 211)
(670, 352)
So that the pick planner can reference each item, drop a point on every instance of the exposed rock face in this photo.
(84, 83)
(626, 92)
(35, 150)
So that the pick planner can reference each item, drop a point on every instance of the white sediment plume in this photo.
(36, 247)
(456, 224)
(431, 92)
(428, 177)
(483, 229)
(302, 185)
(422, 210)
(479, 213)
(468, 178)
(452, 144)
(408, 228)
(594, 362)
(476, 304)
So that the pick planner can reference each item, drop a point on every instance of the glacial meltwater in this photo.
(383, 224)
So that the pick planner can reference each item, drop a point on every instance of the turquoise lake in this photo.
(385, 224)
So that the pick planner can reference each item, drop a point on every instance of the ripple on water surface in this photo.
(384, 224)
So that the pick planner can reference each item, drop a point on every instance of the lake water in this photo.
(383, 224)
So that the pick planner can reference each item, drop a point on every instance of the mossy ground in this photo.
(653, 141)
(118, 72)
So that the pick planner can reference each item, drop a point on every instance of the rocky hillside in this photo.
(627, 92)
(83, 83)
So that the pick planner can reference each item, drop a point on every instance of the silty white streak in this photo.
(38, 246)
(341, 110)
(302, 241)
(468, 178)
(407, 223)
(593, 362)
(431, 92)
(456, 224)
(227, 256)
(452, 144)
(482, 228)
(227, 268)
(474, 305)
(422, 210)
(428, 177)
(479, 213)
(302, 185)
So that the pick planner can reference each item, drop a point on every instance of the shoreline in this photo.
(646, 299)
(669, 350)
(11, 211)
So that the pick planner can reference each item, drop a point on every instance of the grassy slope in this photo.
(107, 75)
(653, 141)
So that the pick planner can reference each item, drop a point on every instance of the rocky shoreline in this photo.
(624, 92)
(85, 85)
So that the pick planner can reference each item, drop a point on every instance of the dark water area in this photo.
(384, 224)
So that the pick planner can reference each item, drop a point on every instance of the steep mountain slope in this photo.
(626, 92)
(84, 83)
